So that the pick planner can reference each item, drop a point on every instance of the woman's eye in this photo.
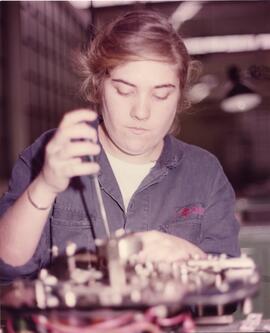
(162, 96)
(124, 92)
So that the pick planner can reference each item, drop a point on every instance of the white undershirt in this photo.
(128, 175)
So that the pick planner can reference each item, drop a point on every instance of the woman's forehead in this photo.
(154, 72)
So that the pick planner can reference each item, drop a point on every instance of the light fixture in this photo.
(80, 4)
(184, 12)
(227, 43)
(240, 98)
(199, 91)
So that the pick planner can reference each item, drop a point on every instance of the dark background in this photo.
(37, 84)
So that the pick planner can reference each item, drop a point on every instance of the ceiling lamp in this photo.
(199, 91)
(81, 4)
(240, 98)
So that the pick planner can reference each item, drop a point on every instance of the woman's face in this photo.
(140, 100)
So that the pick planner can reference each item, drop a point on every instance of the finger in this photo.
(76, 132)
(79, 168)
(80, 131)
(77, 116)
(78, 149)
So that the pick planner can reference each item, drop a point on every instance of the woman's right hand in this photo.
(73, 139)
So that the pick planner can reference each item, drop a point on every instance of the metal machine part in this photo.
(115, 278)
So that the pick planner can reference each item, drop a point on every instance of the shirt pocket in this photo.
(189, 230)
(186, 222)
(71, 226)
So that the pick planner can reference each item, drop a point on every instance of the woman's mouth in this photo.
(137, 130)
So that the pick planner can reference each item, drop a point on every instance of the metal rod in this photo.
(100, 202)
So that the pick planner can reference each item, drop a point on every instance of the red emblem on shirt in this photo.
(191, 211)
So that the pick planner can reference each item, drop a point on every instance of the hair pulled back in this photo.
(135, 35)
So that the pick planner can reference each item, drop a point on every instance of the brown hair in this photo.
(136, 34)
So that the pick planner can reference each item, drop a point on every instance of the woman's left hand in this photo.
(159, 246)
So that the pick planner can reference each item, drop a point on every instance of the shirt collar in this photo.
(172, 152)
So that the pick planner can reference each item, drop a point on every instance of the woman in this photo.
(176, 195)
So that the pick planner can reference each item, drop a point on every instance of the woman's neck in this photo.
(110, 147)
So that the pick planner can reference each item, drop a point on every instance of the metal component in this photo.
(50, 280)
(43, 274)
(100, 242)
(40, 294)
(136, 296)
(117, 277)
(52, 301)
(55, 251)
(128, 246)
(247, 306)
(115, 265)
(70, 251)
(70, 298)
(220, 310)
(120, 233)
(200, 310)
(218, 281)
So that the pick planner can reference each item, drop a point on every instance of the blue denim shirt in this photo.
(185, 194)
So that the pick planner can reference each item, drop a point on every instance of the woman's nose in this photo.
(141, 108)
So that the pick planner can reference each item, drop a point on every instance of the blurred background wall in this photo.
(37, 83)
(37, 86)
